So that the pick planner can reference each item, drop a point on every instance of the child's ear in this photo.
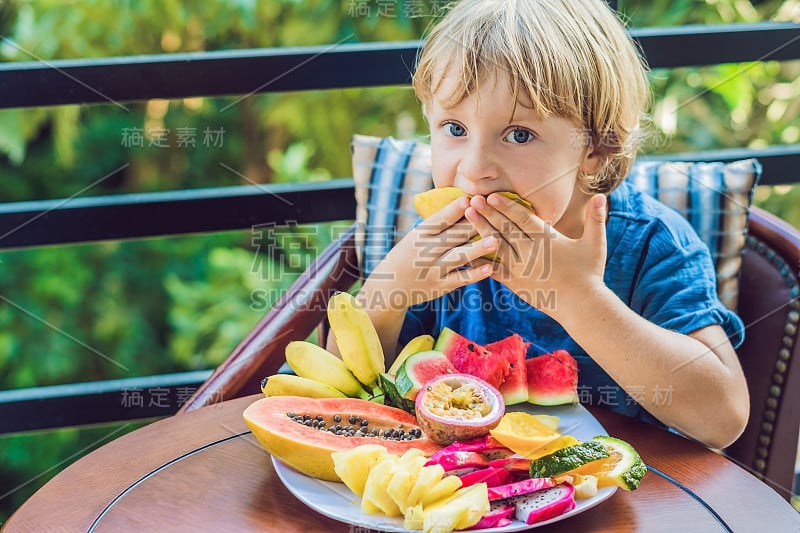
(593, 160)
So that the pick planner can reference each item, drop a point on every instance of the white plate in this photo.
(336, 501)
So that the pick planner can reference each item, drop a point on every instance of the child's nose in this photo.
(478, 163)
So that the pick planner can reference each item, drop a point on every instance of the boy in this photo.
(543, 98)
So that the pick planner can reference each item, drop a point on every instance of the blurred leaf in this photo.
(12, 137)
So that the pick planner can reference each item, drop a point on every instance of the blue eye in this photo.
(519, 136)
(456, 130)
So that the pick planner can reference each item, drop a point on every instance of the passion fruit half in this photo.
(454, 407)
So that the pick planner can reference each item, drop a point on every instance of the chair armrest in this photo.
(770, 354)
(293, 317)
(779, 234)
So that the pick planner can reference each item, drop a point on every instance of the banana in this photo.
(314, 362)
(358, 342)
(289, 385)
(417, 344)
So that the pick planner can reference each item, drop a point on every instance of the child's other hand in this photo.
(434, 258)
(542, 266)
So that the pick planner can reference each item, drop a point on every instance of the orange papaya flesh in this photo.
(279, 425)
(429, 202)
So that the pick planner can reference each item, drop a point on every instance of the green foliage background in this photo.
(182, 303)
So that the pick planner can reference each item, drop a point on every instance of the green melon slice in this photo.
(420, 368)
(392, 396)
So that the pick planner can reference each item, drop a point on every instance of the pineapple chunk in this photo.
(463, 509)
(375, 488)
(414, 517)
(585, 486)
(412, 454)
(404, 478)
(353, 466)
(427, 478)
(444, 488)
(369, 508)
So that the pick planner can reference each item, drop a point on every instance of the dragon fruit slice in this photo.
(544, 504)
(491, 476)
(453, 462)
(497, 517)
(519, 488)
(497, 454)
(484, 445)
(515, 465)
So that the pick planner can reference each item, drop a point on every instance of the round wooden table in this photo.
(204, 471)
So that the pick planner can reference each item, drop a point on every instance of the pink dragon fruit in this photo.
(459, 462)
(519, 488)
(544, 504)
(515, 465)
(487, 445)
(491, 476)
(498, 454)
(497, 517)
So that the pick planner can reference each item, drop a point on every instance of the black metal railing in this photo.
(245, 72)
(127, 79)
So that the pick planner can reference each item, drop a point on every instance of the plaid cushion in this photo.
(715, 197)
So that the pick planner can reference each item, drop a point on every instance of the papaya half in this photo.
(303, 432)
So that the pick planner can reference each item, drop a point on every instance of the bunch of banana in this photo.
(320, 374)
(356, 337)
(361, 371)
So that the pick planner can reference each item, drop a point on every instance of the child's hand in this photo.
(542, 266)
(433, 259)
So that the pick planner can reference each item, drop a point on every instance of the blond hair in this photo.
(566, 58)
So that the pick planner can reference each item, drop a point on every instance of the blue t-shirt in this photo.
(656, 264)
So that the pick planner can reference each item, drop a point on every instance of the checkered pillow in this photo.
(715, 197)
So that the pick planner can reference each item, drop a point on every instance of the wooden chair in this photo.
(768, 304)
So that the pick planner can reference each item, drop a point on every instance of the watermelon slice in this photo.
(514, 349)
(552, 379)
(471, 358)
(419, 369)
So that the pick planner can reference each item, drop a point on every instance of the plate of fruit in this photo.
(447, 439)
(477, 484)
